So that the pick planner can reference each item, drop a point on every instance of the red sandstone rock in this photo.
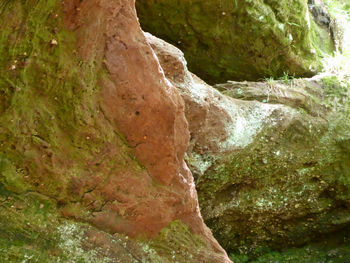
(148, 110)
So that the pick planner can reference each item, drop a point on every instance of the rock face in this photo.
(292, 178)
(91, 131)
(271, 160)
(240, 40)
(323, 18)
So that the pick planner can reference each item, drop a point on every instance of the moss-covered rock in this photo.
(72, 188)
(271, 161)
(242, 39)
(32, 230)
(332, 249)
(290, 184)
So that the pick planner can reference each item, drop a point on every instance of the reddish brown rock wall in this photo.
(143, 105)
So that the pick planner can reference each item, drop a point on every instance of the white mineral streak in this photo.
(247, 122)
(200, 163)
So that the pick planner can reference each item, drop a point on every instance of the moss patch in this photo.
(176, 243)
(32, 231)
(54, 137)
(335, 249)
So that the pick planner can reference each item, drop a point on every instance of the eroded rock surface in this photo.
(91, 131)
(271, 160)
(242, 40)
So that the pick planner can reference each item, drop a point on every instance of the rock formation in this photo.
(92, 141)
(271, 160)
(101, 123)
(241, 40)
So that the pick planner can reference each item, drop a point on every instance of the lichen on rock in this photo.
(285, 183)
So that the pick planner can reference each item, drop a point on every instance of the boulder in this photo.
(271, 160)
(242, 40)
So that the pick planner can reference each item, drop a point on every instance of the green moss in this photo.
(51, 124)
(12, 178)
(334, 87)
(246, 40)
(31, 231)
(332, 250)
(32, 72)
(319, 39)
(291, 182)
(176, 243)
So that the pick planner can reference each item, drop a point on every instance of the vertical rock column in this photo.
(146, 108)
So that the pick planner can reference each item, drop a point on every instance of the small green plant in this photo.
(269, 80)
(287, 78)
(271, 84)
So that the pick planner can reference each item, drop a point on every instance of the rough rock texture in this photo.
(271, 161)
(323, 18)
(240, 40)
(81, 93)
(292, 182)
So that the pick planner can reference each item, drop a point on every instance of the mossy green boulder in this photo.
(290, 185)
(241, 39)
(271, 161)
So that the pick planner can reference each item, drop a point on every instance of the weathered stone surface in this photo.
(241, 40)
(271, 160)
(322, 17)
(89, 123)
